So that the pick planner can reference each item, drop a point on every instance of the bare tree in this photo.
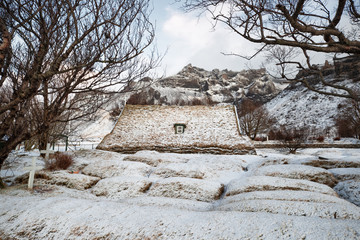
(59, 60)
(253, 118)
(280, 55)
(348, 121)
(292, 138)
(310, 26)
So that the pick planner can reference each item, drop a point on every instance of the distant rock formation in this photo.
(196, 86)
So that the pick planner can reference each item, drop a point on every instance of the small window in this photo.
(179, 128)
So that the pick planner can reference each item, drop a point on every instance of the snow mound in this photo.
(182, 170)
(160, 158)
(61, 177)
(69, 218)
(95, 155)
(187, 188)
(220, 163)
(346, 173)
(185, 204)
(122, 187)
(265, 183)
(349, 190)
(83, 158)
(113, 168)
(293, 171)
(76, 181)
(285, 195)
(149, 161)
(313, 209)
(334, 163)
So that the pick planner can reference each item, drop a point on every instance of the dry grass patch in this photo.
(59, 161)
(265, 183)
(310, 173)
(330, 163)
(187, 188)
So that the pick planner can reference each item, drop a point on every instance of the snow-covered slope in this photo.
(298, 106)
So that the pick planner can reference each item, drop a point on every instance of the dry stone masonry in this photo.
(206, 129)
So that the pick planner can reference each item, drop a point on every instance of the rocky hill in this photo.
(297, 106)
(291, 104)
(193, 86)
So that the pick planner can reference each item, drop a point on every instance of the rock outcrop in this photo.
(195, 86)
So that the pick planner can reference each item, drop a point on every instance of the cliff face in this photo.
(193, 86)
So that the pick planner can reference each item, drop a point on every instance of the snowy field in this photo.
(314, 194)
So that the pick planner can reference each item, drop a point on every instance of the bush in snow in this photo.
(320, 138)
(348, 121)
(253, 118)
(115, 111)
(59, 161)
(292, 138)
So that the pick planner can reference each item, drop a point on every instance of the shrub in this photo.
(337, 139)
(348, 119)
(196, 101)
(59, 161)
(272, 135)
(206, 101)
(260, 139)
(138, 99)
(292, 138)
(254, 118)
(344, 128)
(320, 138)
(115, 111)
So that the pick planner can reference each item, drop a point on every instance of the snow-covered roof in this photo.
(208, 129)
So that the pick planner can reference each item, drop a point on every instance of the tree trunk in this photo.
(5, 151)
(43, 140)
(2, 184)
(7, 148)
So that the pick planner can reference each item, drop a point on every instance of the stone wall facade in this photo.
(208, 129)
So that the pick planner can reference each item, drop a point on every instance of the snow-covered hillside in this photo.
(298, 106)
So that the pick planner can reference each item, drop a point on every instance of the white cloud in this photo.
(188, 31)
(192, 39)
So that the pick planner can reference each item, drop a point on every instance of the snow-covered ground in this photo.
(151, 195)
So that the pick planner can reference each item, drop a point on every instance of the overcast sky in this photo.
(192, 39)
(189, 38)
